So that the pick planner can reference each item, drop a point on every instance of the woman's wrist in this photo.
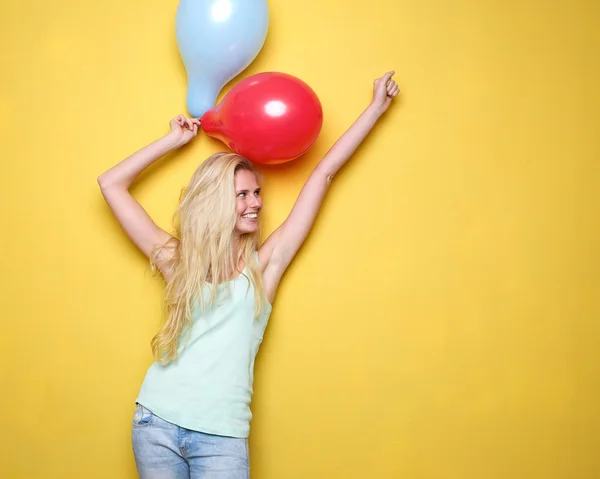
(375, 110)
(172, 140)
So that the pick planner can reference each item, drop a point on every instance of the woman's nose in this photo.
(256, 202)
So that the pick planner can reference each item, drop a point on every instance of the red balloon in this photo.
(268, 118)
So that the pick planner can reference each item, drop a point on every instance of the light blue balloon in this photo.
(217, 40)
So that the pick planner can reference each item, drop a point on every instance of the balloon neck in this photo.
(211, 122)
(201, 97)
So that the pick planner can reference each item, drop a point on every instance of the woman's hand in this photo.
(384, 91)
(183, 129)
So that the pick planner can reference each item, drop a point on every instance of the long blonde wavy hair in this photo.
(204, 253)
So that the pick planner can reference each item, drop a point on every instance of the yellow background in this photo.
(442, 321)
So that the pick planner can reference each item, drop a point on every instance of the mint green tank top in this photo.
(209, 387)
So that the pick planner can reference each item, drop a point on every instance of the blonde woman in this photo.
(192, 416)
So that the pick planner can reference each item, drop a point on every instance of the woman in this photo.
(193, 411)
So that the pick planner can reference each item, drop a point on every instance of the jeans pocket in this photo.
(142, 416)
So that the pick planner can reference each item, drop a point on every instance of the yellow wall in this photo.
(442, 320)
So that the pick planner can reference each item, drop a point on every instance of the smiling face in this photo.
(248, 202)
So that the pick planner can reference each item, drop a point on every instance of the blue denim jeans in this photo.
(165, 451)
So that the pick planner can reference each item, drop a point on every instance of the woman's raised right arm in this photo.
(115, 184)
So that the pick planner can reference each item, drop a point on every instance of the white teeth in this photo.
(250, 216)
